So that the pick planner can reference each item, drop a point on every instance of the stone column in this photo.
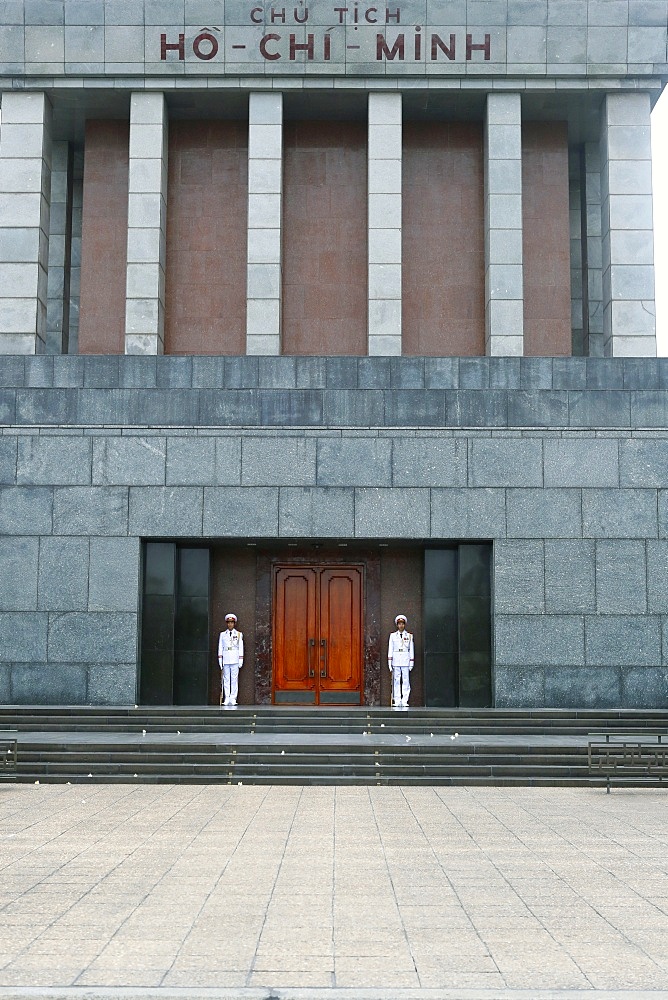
(577, 254)
(147, 225)
(384, 236)
(629, 319)
(504, 282)
(594, 249)
(60, 241)
(265, 195)
(25, 188)
(75, 260)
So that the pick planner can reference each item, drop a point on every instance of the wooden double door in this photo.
(318, 634)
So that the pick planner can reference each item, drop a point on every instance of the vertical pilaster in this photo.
(265, 195)
(504, 285)
(629, 318)
(577, 254)
(75, 259)
(60, 239)
(384, 237)
(147, 225)
(594, 249)
(25, 188)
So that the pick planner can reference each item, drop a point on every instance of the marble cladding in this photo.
(25, 185)
(384, 222)
(147, 225)
(504, 282)
(629, 314)
(265, 218)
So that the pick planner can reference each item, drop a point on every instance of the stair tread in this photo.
(325, 746)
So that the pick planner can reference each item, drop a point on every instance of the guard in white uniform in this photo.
(400, 657)
(230, 660)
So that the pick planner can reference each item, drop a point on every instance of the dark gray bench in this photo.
(640, 755)
(8, 752)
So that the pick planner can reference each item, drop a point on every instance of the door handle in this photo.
(311, 671)
(323, 658)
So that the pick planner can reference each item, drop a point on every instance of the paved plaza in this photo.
(254, 891)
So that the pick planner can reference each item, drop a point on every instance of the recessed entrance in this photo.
(316, 618)
(318, 630)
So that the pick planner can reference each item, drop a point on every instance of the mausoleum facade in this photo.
(322, 313)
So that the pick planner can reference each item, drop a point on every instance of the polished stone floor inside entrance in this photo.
(252, 891)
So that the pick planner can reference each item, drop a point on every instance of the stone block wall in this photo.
(526, 37)
(562, 463)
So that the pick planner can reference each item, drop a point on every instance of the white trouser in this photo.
(401, 685)
(231, 682)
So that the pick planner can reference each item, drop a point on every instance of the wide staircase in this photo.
(323, 746)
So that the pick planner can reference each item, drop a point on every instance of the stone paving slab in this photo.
(358, 892)
(252, 993)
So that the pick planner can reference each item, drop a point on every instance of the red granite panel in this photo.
(324, 239)
(104, 238)
(205, 304)
(547, 268)
(443, 239)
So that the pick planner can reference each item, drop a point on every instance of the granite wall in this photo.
(208, 38)
(562, 463)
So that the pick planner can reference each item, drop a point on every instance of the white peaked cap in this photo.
(403, 618)
(230, 616)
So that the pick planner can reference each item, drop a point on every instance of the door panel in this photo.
(175, 628)
(294, 627)
(340, 628)
(318, 634)
(458, 626)
(191, 627)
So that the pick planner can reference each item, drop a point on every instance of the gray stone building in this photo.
(320, 313)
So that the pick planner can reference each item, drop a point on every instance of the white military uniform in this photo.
(230, 659)
(400, 657)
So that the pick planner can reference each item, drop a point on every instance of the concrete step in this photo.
(315, 746)
(271, 719)
(278, 761)
(322, 712)
(322, 780)
(348, 764)
(248, 772)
